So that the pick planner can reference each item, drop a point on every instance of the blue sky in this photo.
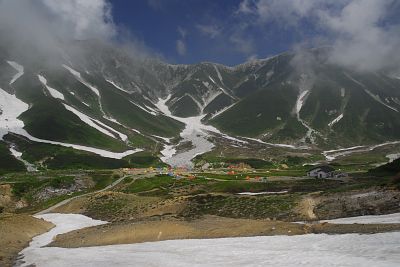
(363, 33)
(206, 30)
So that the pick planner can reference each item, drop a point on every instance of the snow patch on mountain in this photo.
(194, 132)
(393, 157)
(301, 99)
(152, 112)
(19, 68)
(166, 140)
(336, 120)
(98, 125)
(100, 152)
(375, 97)
(18, 155)
(272, 144)
(78, 76)
(219, 112)
(117, 122)
(53, 92)
(117, 86)
(206, 84)
(333, 154)
(168, 152)
(342, 92)
(378, 99)
(10, 108)
(219, 75)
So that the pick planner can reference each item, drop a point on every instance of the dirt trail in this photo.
(64, 202)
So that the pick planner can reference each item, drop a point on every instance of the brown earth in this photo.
(372, 201)
(206, 227)
(8, 203)
(16, 231)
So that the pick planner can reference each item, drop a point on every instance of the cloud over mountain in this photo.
(360, 31)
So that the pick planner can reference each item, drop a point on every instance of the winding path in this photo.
(66, 201)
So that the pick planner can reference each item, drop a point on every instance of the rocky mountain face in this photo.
(98, 100)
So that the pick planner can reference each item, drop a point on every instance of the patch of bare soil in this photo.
(356, 203)
(77, 206)
(207, 227)
(306, 206)
(8, 203)
(16, 231)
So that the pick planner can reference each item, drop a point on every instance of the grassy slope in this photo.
(8, 163)
(258, 112)
(48, 119)
(388, 169)
(57, 157)
(117, 104)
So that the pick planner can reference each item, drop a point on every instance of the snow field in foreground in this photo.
(303, 250)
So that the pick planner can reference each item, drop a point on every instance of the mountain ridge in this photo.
(110, 101)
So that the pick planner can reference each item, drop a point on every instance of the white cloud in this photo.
(210, 30)
(355, 28)
(84, 18)
(181, 47)
(182, 32)
(245, 7)
(41, 28)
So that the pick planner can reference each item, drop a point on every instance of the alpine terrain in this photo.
(95, 104)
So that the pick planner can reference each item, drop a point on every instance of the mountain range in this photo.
(95, 105)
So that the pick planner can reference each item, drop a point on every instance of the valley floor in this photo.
(259, 217)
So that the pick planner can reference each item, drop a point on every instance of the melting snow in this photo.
(336, 120)
(376, 250)
(167, 152)
(271, 144)
(18, 155)
(12, 107)
(98, 125)
(219, 112)
(375, 97)
(18, 68)
(101, 152)
(167, 140)
(342, 92)
(53, 92)
(393, 157)
(263, 193)
(118, 87)
(152, 112)
(301, 99)
(333, 154)
(194, 132)
(368, 219)
(78, 76)
(219, 75)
